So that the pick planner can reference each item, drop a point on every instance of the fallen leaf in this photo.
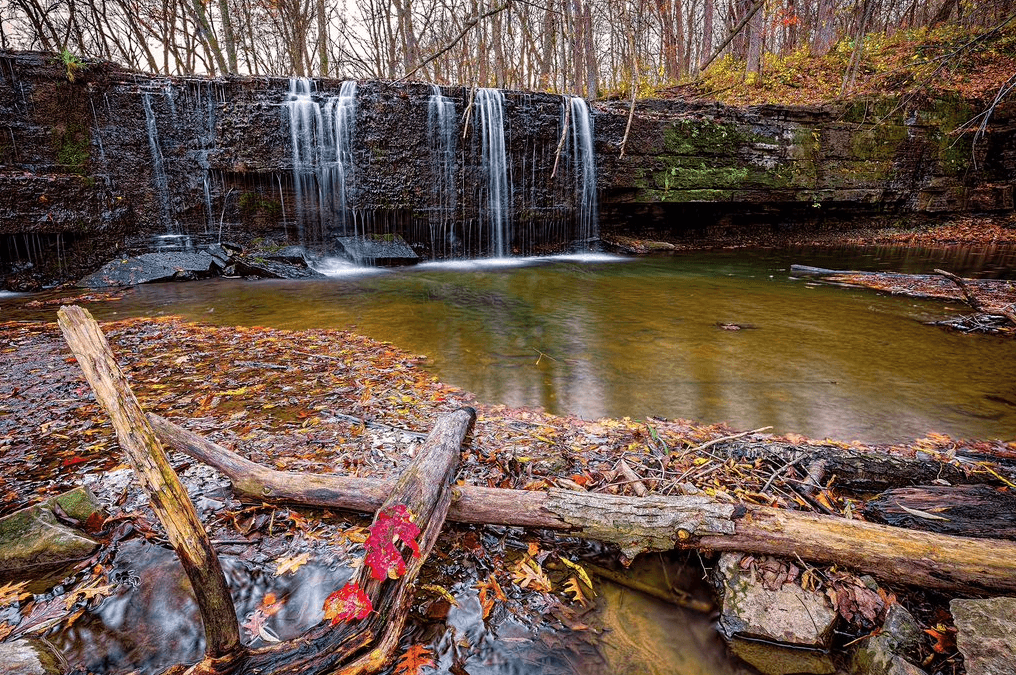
(290, 564)
(416, 658)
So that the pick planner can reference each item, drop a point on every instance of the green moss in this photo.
(702, 137)
(72, 146)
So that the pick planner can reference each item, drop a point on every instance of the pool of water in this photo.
(609, 336)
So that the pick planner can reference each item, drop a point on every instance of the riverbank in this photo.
(328, 401)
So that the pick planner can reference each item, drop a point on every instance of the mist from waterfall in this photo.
(495, 204)
(442, 139)
(584, 163)
(321, 140)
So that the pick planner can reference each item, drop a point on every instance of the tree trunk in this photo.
(653, 523)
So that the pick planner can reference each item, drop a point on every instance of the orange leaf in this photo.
(414, 660)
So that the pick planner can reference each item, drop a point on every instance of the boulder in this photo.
(779, 628)
(34, 539)
(986, 634)
(153, 267)
(29, 657)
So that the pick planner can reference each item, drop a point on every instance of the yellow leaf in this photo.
(291, 564)
(581, 572)
(443, 592)
(529, 574)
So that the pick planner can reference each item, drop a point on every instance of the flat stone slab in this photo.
(377, 250)
(986, 634)
(34, 540)
(152, 267)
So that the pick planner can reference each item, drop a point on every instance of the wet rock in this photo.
(885, 653)
(29, 657)
(35, 539)
(294, 255)
(986, 634)
(265, 268)
(777, 627)
(384, 250)
(153, 267)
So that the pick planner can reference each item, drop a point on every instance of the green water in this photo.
(641, 337)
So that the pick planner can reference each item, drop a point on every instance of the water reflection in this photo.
(651, 337)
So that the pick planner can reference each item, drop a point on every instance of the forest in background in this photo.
(593, 48)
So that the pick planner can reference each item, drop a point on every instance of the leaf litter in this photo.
(330, 401)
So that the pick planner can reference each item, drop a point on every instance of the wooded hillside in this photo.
(587, 47)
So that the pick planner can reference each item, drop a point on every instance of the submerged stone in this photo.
(986, 634)
(778, 629)
(34, 539)
(29, 657)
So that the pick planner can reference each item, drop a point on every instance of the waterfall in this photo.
(442, 136)
(496, 206)
(584, 161)
(158, 167)
(321, 139)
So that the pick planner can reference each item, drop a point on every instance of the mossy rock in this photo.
(33, 539)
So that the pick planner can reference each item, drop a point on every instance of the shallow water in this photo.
(608, 336)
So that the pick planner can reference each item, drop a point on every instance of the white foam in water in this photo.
(340, 267)
(476, 264)
(587, 257)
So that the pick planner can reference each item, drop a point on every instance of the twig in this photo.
(672, 595)
(636, 482)
(564, 135)
(469, 26)
(732, 437)
(973, 300)
(468, 112)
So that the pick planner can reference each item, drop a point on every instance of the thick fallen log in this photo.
(653, 523)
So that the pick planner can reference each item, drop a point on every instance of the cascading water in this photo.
(159, 177)
(495, 205)
(584, 163)
(322, 158)
(442, 135)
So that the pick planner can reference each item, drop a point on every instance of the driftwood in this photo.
(168, 497)
(653, 523)
(350, 648)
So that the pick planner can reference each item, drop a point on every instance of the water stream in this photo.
(620, 337)
(496, 201)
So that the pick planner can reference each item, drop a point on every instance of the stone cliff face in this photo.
(106, 163)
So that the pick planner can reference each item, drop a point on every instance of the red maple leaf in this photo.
(347, 603)
(392, 524)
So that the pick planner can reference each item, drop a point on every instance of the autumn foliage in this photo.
(393, 524)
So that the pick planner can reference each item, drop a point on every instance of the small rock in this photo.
(29, 657)
(986, 634)
(33, 538)
(753, 617)
(377, 250)
(885, 653)
(252, 266)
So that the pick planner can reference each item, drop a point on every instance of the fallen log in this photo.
(168, 497)
(966, 510)
(357, 646)
(653, 523)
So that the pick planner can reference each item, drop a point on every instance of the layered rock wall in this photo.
(108, 161)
